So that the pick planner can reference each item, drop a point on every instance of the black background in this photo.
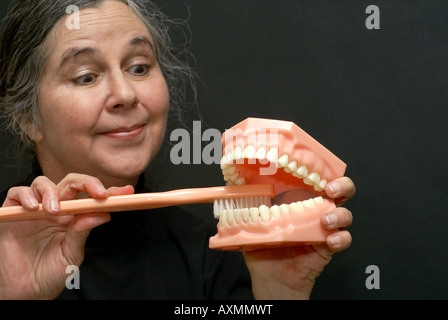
(376, 98)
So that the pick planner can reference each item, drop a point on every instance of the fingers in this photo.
(75, 184)
(341, 189)
(21, 196)
(339, 241)
(117, 191)
(335, 220)
(338, 218)
(46, 191)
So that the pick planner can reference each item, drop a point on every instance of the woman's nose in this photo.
(122, 92)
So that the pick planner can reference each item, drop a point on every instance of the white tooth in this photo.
(323, 184)
(319, 200)
(283, 161)
(294, 207)
(297, 207)
(272, 155)
(245, 214)
(240, 181)
(228, 158)
(284, 209)
(237, 153)
(234, 176)
(237, 215)
(275, 211)
(317, 188)
(229, 170)
(223, 217)
(292, 165)
(302, 171)
(249, 152)
(254, 214)
(261, 153)
(229, 217)
(307, 181)
(230, 183)
(309, 203)
(264, 213)
(224, 163)
(314, 177)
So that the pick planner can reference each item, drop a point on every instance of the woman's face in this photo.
(103, 100)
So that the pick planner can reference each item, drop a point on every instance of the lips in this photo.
(124, 133)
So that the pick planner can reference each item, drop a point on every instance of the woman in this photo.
(92, 103)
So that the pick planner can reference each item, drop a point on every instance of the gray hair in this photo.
(23, 56)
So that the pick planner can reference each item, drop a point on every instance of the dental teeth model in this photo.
(264, 151)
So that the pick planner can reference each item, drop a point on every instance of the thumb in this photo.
(77, 232)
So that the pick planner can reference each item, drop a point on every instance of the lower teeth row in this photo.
(264, 213)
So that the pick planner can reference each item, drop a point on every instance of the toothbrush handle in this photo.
(138, 201)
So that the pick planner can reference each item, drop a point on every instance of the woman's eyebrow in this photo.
(75, 52)
(89, 50)
(142, 41)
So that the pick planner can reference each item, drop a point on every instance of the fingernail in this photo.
(331, 219)
(335, 240)
(54, 206)
(102, 191)
(334, 187)
(34, 203)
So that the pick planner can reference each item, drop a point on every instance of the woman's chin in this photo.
(118, 175)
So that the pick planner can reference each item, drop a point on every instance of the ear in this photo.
(33, 131)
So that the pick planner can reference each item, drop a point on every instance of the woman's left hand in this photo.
(290, 273)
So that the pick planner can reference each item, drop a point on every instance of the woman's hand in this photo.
(35, 254)
(290, 273)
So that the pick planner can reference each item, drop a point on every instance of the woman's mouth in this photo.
(124, 133)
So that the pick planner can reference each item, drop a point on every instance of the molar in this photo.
(240, 181)
(314, 177)
(291, 167)
(323, 184)
(302, 171)
(309, 203)
(319, 200)
(284, 209)
(229, 170)
(297, 207)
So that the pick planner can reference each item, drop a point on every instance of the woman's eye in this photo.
(139, 70)
(86, 79)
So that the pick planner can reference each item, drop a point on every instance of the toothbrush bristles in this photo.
(219, 205)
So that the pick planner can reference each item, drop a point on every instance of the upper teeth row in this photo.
(250, 152)
(265, 213)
